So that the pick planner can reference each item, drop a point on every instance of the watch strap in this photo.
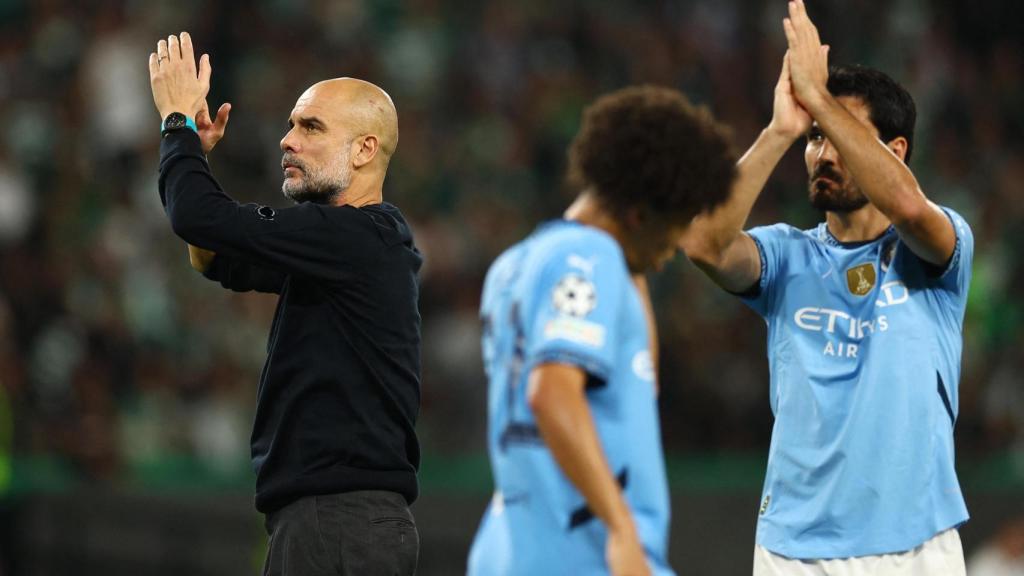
(189, 123)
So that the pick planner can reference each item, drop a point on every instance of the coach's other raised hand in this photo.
(808, 58)
(211, 130)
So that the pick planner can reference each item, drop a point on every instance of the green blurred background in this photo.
(127, 382)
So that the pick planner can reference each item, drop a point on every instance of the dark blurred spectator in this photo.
(1003, 554)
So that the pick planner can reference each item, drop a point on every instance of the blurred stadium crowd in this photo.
(115, 355)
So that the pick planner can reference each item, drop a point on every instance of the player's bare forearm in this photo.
(711, 234)
(715, 241)
(557, 397)
(887, 182)
(199, 258)
(558, 400)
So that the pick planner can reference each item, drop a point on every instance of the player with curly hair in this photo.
(574, 436)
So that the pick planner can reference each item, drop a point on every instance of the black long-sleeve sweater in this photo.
(339, 394)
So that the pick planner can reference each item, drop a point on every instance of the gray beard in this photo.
(317, 189)
(316, 186)
(317, 193)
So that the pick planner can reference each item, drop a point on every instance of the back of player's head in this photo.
(647, 147)
(891, 107)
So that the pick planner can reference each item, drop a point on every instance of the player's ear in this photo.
(898, 145)
(635, 218)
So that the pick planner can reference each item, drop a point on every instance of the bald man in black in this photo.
(333, 442)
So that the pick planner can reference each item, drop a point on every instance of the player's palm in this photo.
(211, 130)
(788, 116)
(807, 56)
(626, 556)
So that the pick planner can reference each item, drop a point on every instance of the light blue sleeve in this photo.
(956, 277)
(577, 300)
(771, 244)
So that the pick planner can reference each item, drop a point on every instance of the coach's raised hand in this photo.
(808, 58)
(211, 130)
(177, 85)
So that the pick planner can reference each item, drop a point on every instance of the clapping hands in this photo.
(179, 86)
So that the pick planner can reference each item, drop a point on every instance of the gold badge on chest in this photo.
(861, 279)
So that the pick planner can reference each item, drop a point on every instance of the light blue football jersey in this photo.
(864, 344)
(564, 295)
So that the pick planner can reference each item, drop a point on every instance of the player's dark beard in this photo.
(835, 196)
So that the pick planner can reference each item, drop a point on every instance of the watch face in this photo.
(174, 121)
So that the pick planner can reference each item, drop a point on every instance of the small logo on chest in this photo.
(861, 279)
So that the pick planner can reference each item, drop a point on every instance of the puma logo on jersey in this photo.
(584, 264)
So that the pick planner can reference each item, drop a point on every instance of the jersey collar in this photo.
(825, 235)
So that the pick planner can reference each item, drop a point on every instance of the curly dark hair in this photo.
(647, 147)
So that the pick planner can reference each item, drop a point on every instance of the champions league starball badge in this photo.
(574, 296)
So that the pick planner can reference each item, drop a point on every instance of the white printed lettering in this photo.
(832, 314)
(575, 330)
(893, 293)
(811, 318)
(869, 324)
(841, 349)
(805, 315)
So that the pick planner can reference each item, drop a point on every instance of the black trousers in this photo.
(365, 533)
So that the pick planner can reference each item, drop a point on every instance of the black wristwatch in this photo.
(176, 121)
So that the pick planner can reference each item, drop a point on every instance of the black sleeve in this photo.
(302, 239)
(243, 277)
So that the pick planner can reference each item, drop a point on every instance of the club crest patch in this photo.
(574, 296)
(861, 279)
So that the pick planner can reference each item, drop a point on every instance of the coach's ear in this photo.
(364, 150)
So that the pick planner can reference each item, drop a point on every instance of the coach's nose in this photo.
(290, 143)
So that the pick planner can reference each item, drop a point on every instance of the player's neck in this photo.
(860, 225)
(586, 209)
